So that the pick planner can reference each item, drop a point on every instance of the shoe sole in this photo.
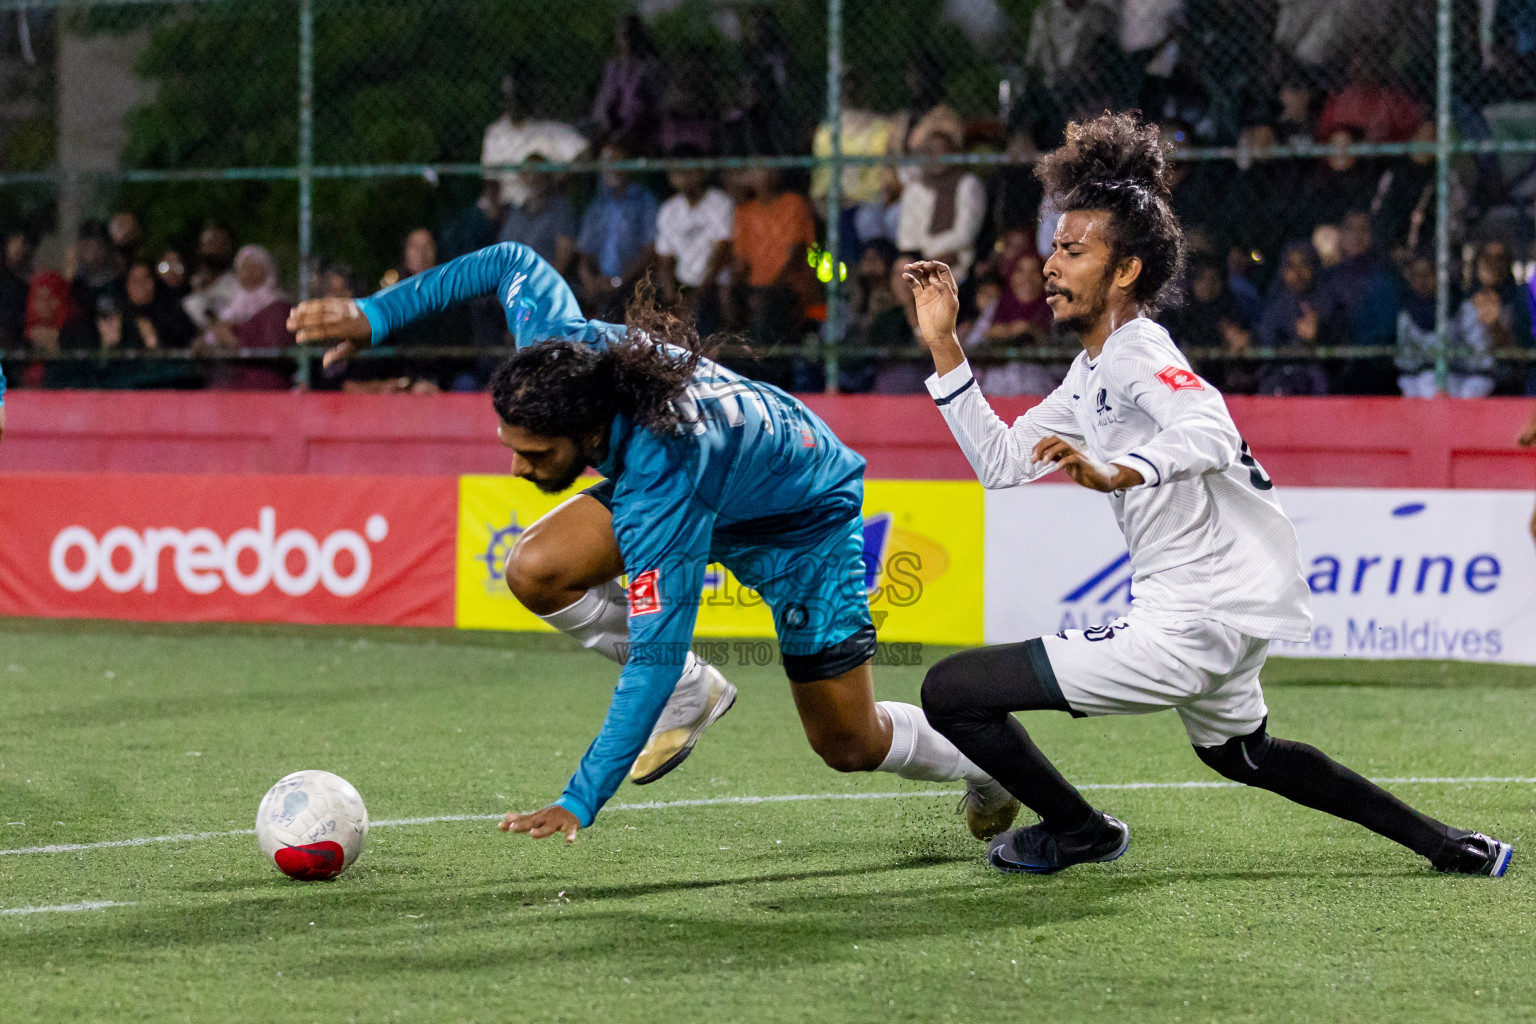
(1501, 860)
(715, 714)
(1028, 869)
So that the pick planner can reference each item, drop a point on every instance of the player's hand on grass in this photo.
(337, 320)
(1083, 469)
(546, 822)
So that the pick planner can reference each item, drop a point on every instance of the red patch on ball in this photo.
(313, 863)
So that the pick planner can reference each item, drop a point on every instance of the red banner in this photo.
(357, 550)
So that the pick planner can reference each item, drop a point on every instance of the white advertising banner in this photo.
(1394, 573)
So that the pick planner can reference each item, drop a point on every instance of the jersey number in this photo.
(727, 395)
(1256, 474)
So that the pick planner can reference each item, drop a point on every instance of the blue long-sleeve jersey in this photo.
(2, 385)
(750, 461)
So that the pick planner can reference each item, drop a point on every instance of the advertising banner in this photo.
(922, 553)
(173, 548)
(1393, 573)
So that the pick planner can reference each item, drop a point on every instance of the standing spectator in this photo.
(545, 222)
(1290, 324)
(1296, 124)
(1358, 301)
(514, 136)
(625, 112)
(942, 208)
(769, 240)
(256, 317)
(893, 333)
(693, 241)
(688, 107)
(1062, 37)
(758, 123)
(1211, 319)
(864, 187)
(127, 238)
(14, 275)
(475, 226)
(338, 281)
(1380, 112)
(616, 245)
(97, 281)
(214, 283)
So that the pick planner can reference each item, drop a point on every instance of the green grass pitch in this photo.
(1231, 905)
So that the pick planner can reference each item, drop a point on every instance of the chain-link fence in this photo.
(1355, 177)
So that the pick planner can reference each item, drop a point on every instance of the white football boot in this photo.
(694, 706)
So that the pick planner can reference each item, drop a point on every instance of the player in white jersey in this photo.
(1216, 566)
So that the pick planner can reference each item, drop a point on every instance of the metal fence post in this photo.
(834, 186)
(306, 139)
(1442, 193)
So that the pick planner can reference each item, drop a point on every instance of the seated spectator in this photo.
(1417, 345)
(1340, 182)
(1290, 324)
(338, 281)
(1014, 316)
(1211, 319)
(49, 307)
(546, 220)
(893, 334)
(512, 137)
(867, 190)
(150, 319)
(14, 275)
(943, 207)
(171, 272)
(1494, 316)
(449, 328)
(616, 244)
(1380, 112)
(476, 226)
(256, 318)
(769, 240)
(693, 243)
(625, 112)
(214, 283)
(1296, 124)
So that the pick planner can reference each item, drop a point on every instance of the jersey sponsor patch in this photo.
(644, 594)
(1179, 379)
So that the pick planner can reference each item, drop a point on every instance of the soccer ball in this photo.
(312, 825)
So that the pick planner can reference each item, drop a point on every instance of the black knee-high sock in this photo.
(969, 697)
(1310, 777)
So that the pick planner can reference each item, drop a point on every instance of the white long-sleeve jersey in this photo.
(1207, 536)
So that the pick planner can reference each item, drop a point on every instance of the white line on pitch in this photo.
(736, 801)
(63, 908)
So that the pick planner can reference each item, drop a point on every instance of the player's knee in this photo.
(943, 693)
(536, 577)
(1240, 759)
(847, 751)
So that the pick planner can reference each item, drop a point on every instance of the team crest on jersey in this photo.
(644, 594)
(1179, 379)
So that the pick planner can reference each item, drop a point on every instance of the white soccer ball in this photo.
(312, 825)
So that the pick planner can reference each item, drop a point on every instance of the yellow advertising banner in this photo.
(922, 552)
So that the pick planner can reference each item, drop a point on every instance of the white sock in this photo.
(918, 751)
(599, 620)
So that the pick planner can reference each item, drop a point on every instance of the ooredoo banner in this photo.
(166, 548)
(1436, 574)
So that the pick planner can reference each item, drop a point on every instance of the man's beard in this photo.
(564, 480)
(1082, 322)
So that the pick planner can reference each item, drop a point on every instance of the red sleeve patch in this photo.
(644, 594)
(1179, 379)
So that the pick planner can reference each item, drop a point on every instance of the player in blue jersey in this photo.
(2, 403)
(701, 465)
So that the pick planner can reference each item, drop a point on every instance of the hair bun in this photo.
(1112, 150)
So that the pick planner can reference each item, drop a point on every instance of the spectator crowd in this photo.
(1297, 263)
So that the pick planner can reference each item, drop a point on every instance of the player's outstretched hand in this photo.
(543, 823)
(938, 300)
(331, 320)
(1083, 469)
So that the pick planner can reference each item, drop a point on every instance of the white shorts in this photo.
(1206, 671)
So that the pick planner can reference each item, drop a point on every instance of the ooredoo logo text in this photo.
(247, 561)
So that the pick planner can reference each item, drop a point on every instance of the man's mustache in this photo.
(1051, 289)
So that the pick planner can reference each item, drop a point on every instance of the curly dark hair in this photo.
(559, 388)
(1116, 162)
